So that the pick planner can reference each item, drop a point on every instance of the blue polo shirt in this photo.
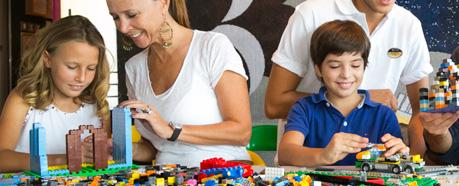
(318, 121)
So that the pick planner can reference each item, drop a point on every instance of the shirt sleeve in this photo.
(223, 57)
(418, 65)
(297, 119)
(451, 156)
(293, 50)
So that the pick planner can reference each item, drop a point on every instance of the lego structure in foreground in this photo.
(122, 149)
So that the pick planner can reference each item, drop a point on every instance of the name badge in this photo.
(394, 53)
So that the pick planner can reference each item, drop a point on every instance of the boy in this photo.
(329, 127)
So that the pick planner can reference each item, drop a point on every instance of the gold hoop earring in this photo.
(166, 34)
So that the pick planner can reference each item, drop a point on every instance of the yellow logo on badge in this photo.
(394, 53)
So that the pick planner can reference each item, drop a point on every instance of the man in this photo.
(441, 133)
(398, 53)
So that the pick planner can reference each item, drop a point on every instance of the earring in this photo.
(126, 44)
(166, 34)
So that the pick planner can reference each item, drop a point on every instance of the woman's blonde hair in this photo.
(178, 11)
(35, 84)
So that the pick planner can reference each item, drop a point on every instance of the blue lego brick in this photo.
(118, 166)
(228, 172)
(59, 172)
(37, 150)
(122, 135)
(211, 183)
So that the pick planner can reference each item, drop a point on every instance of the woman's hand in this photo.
(150, 116)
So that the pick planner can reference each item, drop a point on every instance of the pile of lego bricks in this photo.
(216, 171)
(443, 95)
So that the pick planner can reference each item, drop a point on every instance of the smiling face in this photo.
(341, 74)
(73, 67)
(375, 6)
(139, 20)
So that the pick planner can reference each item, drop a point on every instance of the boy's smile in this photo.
(341, 74)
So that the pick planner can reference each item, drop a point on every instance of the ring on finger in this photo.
(147, 110)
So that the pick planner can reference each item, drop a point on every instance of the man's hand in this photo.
(438, 123)
(385, 97)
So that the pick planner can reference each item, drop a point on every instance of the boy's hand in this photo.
(341, 145)
(394, 145)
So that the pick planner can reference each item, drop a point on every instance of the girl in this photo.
(63, 84)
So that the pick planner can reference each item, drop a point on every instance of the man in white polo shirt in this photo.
(398, 53)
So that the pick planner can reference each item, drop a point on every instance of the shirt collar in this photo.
(347, 7)
(320, 97)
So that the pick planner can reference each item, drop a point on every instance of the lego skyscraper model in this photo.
(122, 135)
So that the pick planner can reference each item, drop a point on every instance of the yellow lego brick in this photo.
(160, 182)
(170, 180)
(57, 167)
(135, 175)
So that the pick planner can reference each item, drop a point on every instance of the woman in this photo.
(190, 84)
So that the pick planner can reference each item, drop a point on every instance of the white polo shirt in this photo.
(382, 72)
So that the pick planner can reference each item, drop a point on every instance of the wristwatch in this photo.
(177, 127)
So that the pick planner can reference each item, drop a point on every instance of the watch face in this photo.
(175, 125)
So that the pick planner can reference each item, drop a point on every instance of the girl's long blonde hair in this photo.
(35, 84)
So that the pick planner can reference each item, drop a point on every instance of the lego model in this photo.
(443, 95)
(99, 151)
(122, 149)
(216, 163)
(38, 158)
(122, 135)
(374, 158)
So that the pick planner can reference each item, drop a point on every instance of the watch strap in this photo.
(175, 134)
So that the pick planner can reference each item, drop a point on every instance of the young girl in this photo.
(63, 84)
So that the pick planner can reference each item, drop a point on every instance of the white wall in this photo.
(97, 12)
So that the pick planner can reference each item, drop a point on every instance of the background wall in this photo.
(4, 60)
(255, 27)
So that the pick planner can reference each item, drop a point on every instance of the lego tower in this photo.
(38, 158)
(443, 95)
(122, 135)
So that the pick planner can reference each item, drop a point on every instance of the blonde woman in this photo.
(191, 85)
(63, 84)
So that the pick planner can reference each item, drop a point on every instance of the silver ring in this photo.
(147, 110)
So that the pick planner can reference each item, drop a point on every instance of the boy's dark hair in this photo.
(338, 37)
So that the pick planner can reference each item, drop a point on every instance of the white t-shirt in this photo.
(191, 99)
(399, 29)
(57, 124)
